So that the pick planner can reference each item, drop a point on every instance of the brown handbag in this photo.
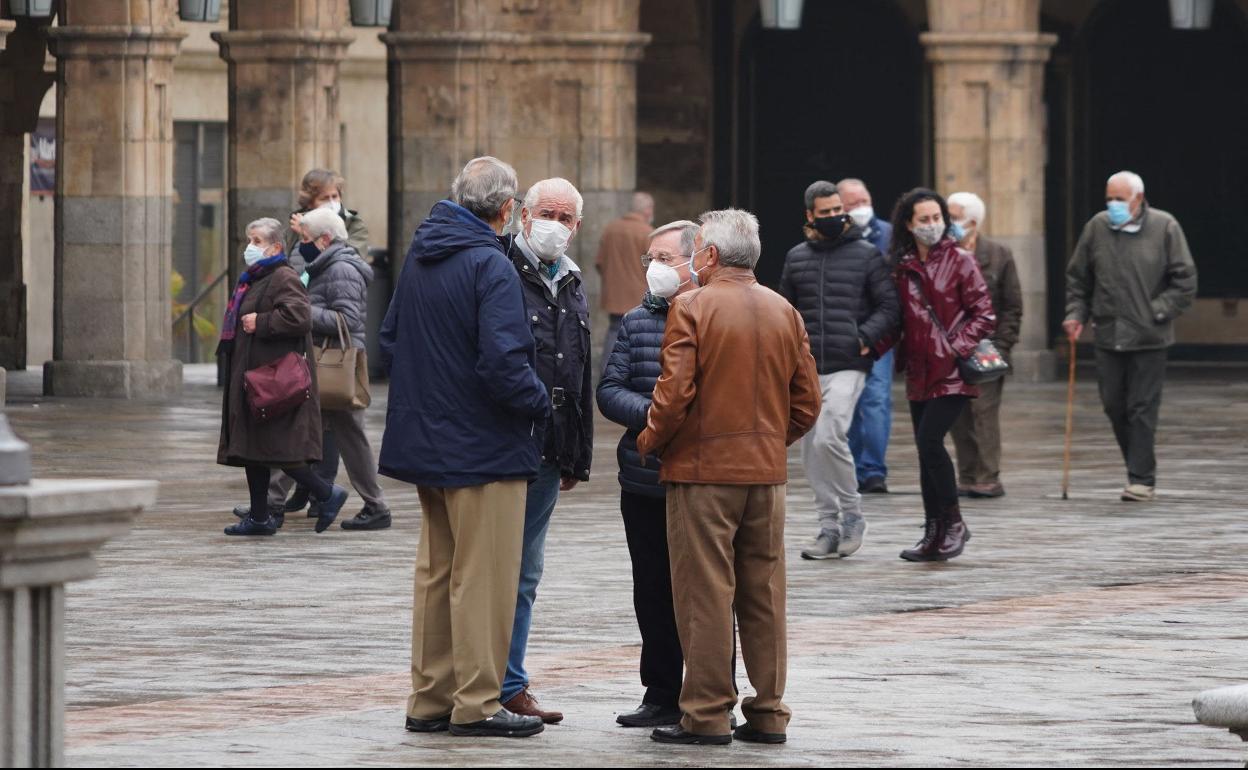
(342, 372)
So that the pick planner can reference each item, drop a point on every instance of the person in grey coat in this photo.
(338, 281)
(1131, 275)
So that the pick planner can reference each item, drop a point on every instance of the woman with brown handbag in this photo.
(270, 414)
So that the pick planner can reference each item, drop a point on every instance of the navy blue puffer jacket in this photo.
(626, 387)
(466, 406)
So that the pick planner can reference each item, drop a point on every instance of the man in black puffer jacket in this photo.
(841, 285)
(624, 397)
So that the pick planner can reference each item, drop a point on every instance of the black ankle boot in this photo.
(954, 534)
(925, 549)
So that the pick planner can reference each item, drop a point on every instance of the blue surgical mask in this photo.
(957, 230)
(1119, 212)
(252, 254)
(693, 273)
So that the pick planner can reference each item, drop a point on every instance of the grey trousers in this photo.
(1130, 385)
(825, 451)
(348, 430)
(977, 437)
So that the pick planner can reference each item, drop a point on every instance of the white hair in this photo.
(321, 221)
(734, 233)
(971, 204)
(269, 229)
(484, 186)
(688, 231)
(553, 186)
(1131, 178)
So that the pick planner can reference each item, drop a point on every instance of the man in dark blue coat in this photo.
(554, 300)
(464, 423)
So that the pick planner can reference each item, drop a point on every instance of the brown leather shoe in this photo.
(953, 535)
(925, 549)
(525, 704)
(991, 489)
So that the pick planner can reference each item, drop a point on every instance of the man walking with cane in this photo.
(1132, 275)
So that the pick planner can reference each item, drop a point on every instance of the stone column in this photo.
(23, 84)
(988, 105)
(114, 213)
(284, 118)
(500, 78)
(49, 531)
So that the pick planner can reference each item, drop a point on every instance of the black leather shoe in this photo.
(876, 485)
(278, 514)
(298, 500)
(746, 732)
(650, 715)
(330, 508)
(504, 724)
(677, 734)
(437, 725)
(250, 526)
(368, 518)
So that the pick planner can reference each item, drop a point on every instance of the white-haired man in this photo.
(554, 299)
(723, 439)
(977, 432)
(1131, 275)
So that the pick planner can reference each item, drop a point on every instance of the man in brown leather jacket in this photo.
(739, 386)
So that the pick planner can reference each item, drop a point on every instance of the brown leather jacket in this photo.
(738, 386)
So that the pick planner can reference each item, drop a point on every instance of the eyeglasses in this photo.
(665, 259)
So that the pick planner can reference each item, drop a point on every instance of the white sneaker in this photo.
(1138, 493)
(853, 530)
(824, 547)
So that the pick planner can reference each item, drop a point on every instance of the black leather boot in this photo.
(925, 549)
(954, 534)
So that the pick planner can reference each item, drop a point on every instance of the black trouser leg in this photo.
(932, 421)
(1130, 384)
(327, 468)
(319, 487)
(258, 490)
(662, 664)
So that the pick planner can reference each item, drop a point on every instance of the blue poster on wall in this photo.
(43, 158)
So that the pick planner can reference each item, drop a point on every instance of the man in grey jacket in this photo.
(1132, 275)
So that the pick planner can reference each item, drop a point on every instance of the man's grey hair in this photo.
(642, 202)
(688, 231)
(484, 186)
(1130, 177)
(318, 222)
(553, 186)
(268, 228)
(820, 189)
(971, 204)
(734, 233)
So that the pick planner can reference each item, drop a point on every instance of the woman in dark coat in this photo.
(935, 277)
(269, 315)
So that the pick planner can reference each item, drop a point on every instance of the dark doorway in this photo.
(841, 97)
(1168, 104)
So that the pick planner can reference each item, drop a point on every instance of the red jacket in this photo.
(957, 293)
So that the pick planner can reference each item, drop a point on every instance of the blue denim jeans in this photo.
(873, 419)
(543, 494)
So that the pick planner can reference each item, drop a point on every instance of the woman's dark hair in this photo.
(903, 212)
(315, 182)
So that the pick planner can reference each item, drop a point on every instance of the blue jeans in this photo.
(543, 494)
(873, 419)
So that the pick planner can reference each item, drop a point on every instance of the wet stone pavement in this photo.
(1071, 632)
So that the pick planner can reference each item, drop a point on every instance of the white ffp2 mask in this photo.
(548, 239)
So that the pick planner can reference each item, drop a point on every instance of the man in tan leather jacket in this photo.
(739, 385)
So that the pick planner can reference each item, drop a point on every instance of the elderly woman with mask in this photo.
(338, 287)
(269, 316)
(322, 189)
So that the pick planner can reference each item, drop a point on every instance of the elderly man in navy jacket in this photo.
(464, 424)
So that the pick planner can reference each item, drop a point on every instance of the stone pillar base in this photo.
(1035, 365)
(113, 379)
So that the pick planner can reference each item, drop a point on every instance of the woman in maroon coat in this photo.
(935, 277)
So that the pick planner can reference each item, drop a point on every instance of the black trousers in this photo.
(258, 485)
(662, 664)
(932, 421)
(1130, 385)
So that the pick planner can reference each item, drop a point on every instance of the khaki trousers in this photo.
(727, 548)
(467, 572)
(977, 437)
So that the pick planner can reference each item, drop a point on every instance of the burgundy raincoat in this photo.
(957, 293)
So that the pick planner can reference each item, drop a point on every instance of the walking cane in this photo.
(1070, 420)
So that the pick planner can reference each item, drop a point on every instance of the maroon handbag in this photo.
(278, 387)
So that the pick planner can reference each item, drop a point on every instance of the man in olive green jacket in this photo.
(1132, 275)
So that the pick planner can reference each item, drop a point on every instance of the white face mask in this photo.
(334, 206)
(548, 239)
(252, 254)
(862, 215)
(663, 280)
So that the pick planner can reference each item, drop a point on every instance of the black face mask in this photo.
(309, 250)
(831, 227)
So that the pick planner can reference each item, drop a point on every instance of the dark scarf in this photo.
(229, 327)
(655, 303)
